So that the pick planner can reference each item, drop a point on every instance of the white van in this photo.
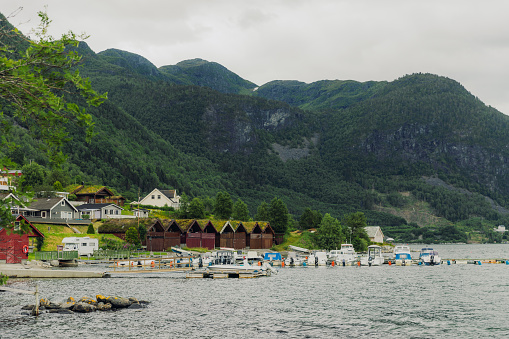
(84, 245)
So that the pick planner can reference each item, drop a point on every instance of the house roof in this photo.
(45, 203)
(170, 194)
(96, 206)
(372, 230)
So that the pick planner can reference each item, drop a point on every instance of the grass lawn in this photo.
(296, 238)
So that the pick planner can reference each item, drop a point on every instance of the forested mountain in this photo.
(383, 148)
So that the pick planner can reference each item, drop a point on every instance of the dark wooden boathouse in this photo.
(155, 236)
(198, 236)
(173, 234)
(240, 237)
(227, 236)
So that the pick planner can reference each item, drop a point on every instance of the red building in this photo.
(14, 247)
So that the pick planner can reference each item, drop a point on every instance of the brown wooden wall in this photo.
(227, 240)
(239, 241)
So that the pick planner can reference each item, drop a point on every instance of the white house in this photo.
(161, 198)
(100, 211)
(84, 245)
(375, 233)
(501, 229)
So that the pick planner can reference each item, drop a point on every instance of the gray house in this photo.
(100, 211)
(52, 208)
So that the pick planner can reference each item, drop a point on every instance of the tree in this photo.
(184, 206)
(329, 235)
(142, 231)
(36, 79)
(356, 232)
(132, 236)
(33, 175)
(57, 186)
(240, 211)
(278, 215)
(196, 209)
(310, 219)
(224, 205)
(262, 212)
(90, 229)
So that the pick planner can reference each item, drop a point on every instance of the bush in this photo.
(90, 229)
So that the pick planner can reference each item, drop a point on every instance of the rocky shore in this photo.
(86, 305)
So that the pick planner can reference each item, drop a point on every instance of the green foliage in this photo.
(310, 219)
(3, 279)
(223, 206)
(57, 186)
(240, 211)
(142, 231)
(132, 236)
(355, 223)
(196, 209)
(329, 235)
(39, 243)
(90, 229)
(278, 215)
(33, 175)
(110, 243)
(262, 212)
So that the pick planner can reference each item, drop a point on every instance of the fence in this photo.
(56, 255)
(111, 254)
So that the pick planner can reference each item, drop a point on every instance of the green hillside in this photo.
(334, 146)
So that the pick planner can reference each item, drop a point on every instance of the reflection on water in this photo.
(467, 301)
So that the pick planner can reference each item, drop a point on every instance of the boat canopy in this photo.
(272, 256)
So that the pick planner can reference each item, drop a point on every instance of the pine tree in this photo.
(278, 215)
(224, 205)
(240, 211)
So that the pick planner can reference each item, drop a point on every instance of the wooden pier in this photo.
(224, 274)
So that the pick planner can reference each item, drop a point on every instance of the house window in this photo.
(84, 244)
(16, 226)
(91, 244)
(116, 212)
(111, 211)
(105, 211)
(158, 197)
(153, 197)
(43, 214)
(62, 203)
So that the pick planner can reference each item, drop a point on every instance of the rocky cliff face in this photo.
(235, 131)
(418, 143)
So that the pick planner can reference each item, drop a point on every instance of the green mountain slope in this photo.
(335, 146)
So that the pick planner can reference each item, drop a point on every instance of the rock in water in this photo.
(135, 306)
(84, 308)
(88, 300)
(103, 306)
(67, 305)
(119, 302)
(53, 306)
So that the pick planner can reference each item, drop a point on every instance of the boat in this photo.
(374, 256)
(402, 255)
(317, 259)
(429, 257)
(345, 256)
(294, 260)
(225, 262)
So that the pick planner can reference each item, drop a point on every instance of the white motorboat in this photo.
(294, 260)
(317, 259)
(224, 262)
(374, 256)
(429, 257)
(345, 256)
(402, 255)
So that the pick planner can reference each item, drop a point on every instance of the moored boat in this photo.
(345, 256)
(402, 255)
(429, 257)
(374, 256)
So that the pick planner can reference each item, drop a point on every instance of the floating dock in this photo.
(224, 274)
(20, 271)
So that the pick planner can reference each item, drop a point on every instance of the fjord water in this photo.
(467, 301)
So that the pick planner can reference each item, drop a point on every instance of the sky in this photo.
(305, 40)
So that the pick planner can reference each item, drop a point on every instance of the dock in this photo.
(21, 271)
(224, 274)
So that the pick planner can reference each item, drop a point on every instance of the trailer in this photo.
(84, 245)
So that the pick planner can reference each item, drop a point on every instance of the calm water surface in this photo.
(457, 301)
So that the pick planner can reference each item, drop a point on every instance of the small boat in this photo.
(374, 257)
(317, 259)
(294, 260)
(402, 255)
(429, 257)
(345, 256)
(224, 262)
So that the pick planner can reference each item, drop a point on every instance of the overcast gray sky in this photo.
(264, 40)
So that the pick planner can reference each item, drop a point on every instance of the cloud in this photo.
(466, 40)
